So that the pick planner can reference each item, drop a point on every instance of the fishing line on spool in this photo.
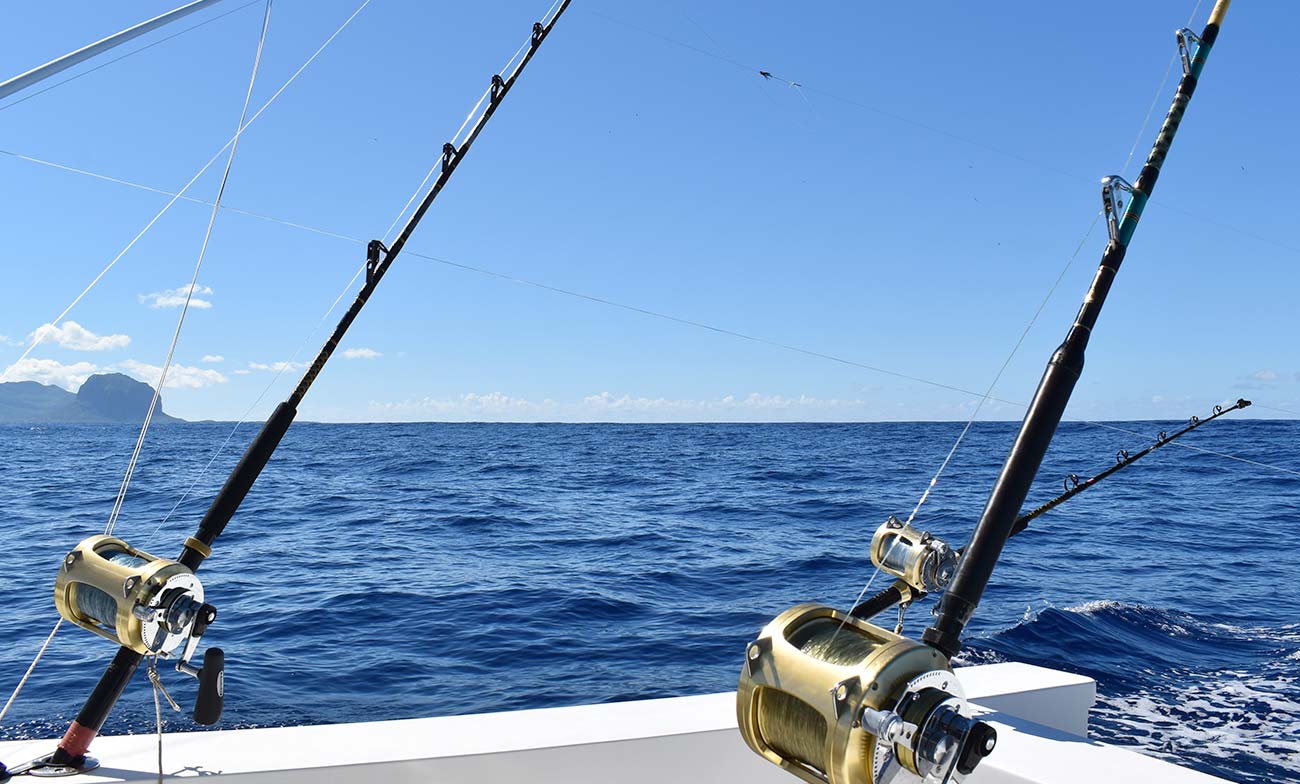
(179, 194)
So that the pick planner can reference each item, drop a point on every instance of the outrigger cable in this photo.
(72, 749)
(902, 591)
(1053, 394)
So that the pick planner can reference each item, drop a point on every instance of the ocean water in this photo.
(392, 571)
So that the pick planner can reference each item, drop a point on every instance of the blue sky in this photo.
(907, 207)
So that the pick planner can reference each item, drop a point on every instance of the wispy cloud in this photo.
(242, 372)
(178, 376)
(212, 358)
(175, 298)
(361, 353)
(5, 340)
(276, 366)
(1266, 378)
(74, 336)
(50, 371)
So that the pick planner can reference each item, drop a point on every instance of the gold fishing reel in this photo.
(916, 557)
(836, 700)
(148, 604)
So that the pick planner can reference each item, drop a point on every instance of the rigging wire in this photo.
(119, 58)
(194, 279)
(36, 337)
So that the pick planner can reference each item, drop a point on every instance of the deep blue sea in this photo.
(393, 571)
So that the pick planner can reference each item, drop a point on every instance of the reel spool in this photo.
(835, 700)
(135, 599)
(923, 562)
(151, 605)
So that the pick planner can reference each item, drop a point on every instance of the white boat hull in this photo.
(1041, 717)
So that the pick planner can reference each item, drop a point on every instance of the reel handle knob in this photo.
(212, 687)
(979, 744)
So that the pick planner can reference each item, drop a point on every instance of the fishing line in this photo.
(194, 279)
(455, 138)
(281, 367)
(30, 669)
(201, 171)
(1283, 410)
(633, 308)
(1156, 98)
(119, 58)
(1199, 449)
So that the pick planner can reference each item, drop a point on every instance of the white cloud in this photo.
(178, 376)
(49, 371)
(242, 372)
(276, 366)
(175, 298)
(213, 358)
(1263, 375)
(361, 353)
(5, 340)
(74, 336)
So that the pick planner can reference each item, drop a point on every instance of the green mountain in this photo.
(102, 399)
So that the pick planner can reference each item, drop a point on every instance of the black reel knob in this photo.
(212, 687)
(979, 744)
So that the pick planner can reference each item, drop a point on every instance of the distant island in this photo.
(107, 398)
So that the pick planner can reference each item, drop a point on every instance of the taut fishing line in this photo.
(192, 180)
(194, 280)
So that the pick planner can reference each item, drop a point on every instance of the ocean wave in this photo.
(1212, 695)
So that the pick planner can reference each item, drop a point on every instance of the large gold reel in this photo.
(836, 700)
(138, 600)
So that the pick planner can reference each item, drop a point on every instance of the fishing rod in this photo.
(153, 606)
(1048, 405)
(919, 563)
(834, 699)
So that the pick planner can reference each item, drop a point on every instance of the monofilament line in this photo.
(30, 669)
(194, 278)
(180, 194)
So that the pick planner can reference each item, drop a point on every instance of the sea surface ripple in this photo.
(399, 570)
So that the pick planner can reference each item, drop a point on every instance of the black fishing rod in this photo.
(903, 591)
(998, 520)
(831, 697)
(182, 613)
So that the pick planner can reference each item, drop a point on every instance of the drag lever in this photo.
(212, 675)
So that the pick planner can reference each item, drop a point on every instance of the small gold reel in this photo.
(138, 600)
(917, 558)
(836, 700)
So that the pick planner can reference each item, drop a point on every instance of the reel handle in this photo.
(212, 687)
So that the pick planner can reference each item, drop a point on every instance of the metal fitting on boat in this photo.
(836, 700)
(922, 561)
